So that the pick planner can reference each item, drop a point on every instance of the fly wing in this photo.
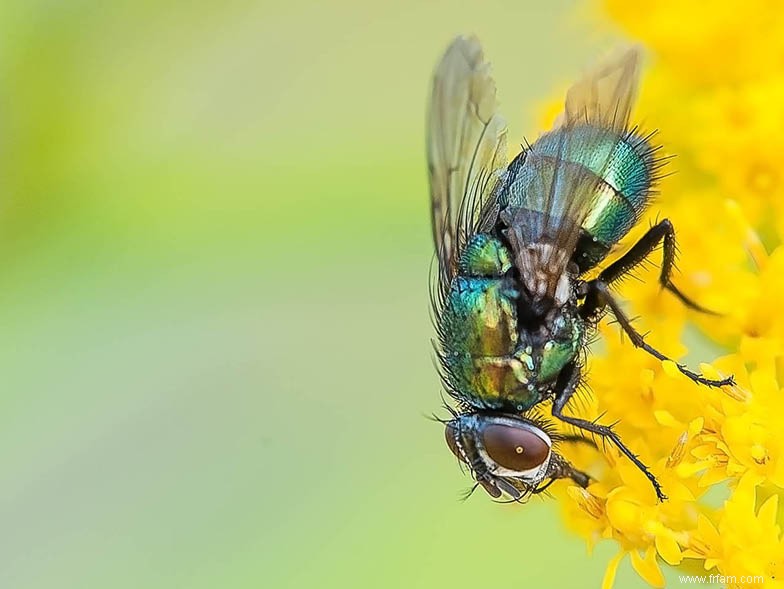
(606, 96)
(466, 149)
(563, 174)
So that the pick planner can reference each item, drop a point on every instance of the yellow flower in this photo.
(707, 44)
(736, 124)
(747, 540)
(716, 89)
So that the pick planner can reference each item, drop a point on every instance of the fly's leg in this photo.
(599, 296)
(662, 231)
(564, 389)
(576, 439)
(560, 468)
(544, 487)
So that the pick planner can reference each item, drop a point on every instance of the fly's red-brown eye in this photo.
(513, 447)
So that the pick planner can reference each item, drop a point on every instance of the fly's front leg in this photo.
(661, 232)
(564, 389)
(560, 468)
(599, 296)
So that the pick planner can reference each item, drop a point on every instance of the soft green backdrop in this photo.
(214, 333)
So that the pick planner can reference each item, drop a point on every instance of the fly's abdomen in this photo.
(624, 191)
(619, 170)
(478, 328)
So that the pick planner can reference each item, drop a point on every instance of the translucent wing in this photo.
(555, 186)
(605, 97)
(466, 148)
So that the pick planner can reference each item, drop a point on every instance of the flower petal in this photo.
(769, 510)
(713, 476)
(612, 569)
(647, 567)
(668, 549)
(665, 418)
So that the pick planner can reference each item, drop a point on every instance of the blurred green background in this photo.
(214, 332)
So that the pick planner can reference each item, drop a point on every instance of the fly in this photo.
(514, 241)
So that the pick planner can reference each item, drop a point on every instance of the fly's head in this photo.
(507, 455)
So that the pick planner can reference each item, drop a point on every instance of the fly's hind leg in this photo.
(576, 439)
(599, 296)
(564, 389)
(663, 232)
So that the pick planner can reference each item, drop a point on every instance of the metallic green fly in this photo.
(514, 241)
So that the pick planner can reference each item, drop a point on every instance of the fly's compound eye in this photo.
(514, 448)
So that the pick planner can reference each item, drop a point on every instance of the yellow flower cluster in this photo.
(714, 87)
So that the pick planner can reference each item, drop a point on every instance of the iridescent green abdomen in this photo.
(618, 171)
(488, 362)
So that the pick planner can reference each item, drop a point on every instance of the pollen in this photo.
(760, 454)
(591, 505)
(737, 393)
(677, 453)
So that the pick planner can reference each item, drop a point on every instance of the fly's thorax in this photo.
(505, 453)
(480, 346)
(563, 337)
(491, 357)
(524, 378)
(547, 349)
(478, 326)
(484, 256)
(479, 317)
(508, 383)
